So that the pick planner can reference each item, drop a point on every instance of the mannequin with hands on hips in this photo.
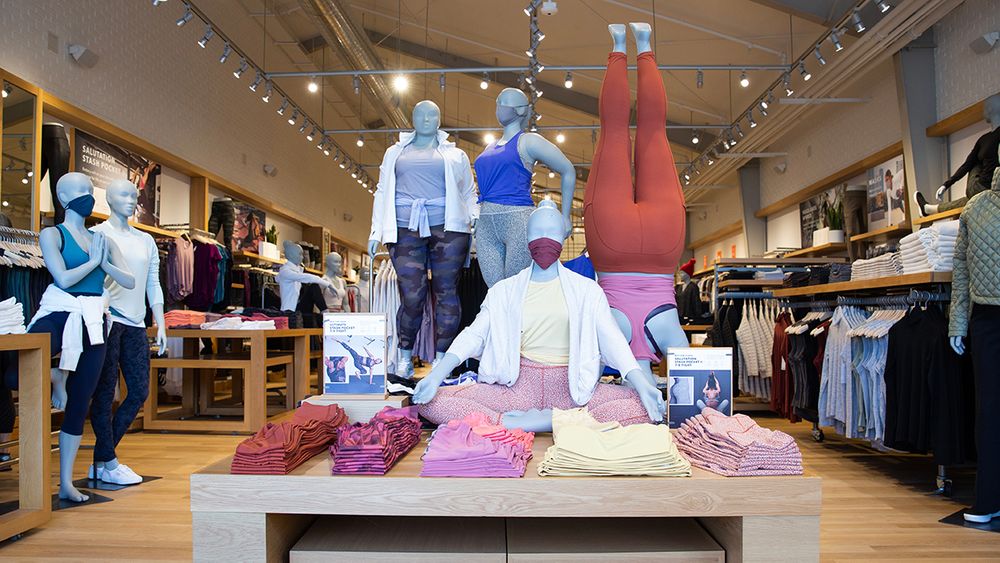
(291, 276)
(423, 212)
(127, 346)
(336, 294)
(541, 337)
(72, 312)
(503, 171)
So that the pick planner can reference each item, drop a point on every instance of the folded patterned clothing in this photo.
(278, 448)
(737, 446)
(374, 447)
(476, 447)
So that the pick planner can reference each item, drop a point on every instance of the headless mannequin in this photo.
(104, 254)
(364, 284)
(122, 197)
(290, 276)
(499, 253)
(975, 183)
(665, 327)
(336, 294)
(546, 222)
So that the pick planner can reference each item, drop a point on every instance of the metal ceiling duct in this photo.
(357, 51)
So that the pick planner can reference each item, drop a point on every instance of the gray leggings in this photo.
(502, 240)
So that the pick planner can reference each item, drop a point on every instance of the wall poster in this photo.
(886, 194)
(104, 162)
(248, 228)
(812, 212)
(698, 378)
(354, 353)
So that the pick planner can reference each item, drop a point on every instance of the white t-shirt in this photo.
(128, 306)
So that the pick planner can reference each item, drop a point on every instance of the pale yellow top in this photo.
(545, 324)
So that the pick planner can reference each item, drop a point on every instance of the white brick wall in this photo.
(723, 210)
(153, 81)
(963, 77)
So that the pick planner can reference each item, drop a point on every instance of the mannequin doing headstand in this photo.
(541, 337)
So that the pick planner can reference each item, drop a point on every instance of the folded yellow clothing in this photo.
(584, 446)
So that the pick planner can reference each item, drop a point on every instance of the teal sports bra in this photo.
(74, 256)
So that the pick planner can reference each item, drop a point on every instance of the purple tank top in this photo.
(501, 175)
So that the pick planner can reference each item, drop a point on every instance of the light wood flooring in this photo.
(875, 505)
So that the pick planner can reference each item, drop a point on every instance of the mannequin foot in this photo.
(404, 364)
(617, 31)
(68, 492)
(642, 32)
(58, 377)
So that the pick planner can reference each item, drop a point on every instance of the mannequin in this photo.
(291, 276)
(537, 333)
(127, 346)
(336, 294)
(979, 166)
(635, 235)
(423, 212)
(364, 283)
(689, 304)
(975, 312)
(55, 161)
(72, 311)
(223, 218)
(504, 171)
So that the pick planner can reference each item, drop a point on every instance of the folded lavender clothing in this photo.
(737, 446)
(475, 447)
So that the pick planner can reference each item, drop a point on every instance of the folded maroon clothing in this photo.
(278, 448)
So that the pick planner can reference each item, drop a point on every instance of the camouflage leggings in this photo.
(444, 252)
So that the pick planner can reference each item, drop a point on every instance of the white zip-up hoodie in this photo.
(495, 336)
(461, 205)
(85, 312)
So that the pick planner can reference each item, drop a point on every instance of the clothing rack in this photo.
(915, 297)
(24, 236)
(745, 295)
(807, 304)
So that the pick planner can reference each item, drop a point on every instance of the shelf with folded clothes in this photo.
(750, 283)
(695, 328)
(931, 219)
(819, 250)
(890, 232)
(905, 280)
(259, 258)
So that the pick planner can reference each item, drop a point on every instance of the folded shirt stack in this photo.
(277, 449)
(931, 249)
(584, 446)
(237, 323)
(11, 317)
(735, 446)
(886, 265)
(840, 273)
(374, 447)
(475, 447)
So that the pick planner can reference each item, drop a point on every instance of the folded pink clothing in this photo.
(374, 447)
(475, 447)
(737, 446)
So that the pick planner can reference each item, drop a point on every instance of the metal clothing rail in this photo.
(913, 298)
(745, 295)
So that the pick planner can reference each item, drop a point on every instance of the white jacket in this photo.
(495, 336)
(461, 205)
(83, 311)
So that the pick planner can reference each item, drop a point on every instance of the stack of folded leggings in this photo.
(374, 447)
(735, 446)
(475, 447)
(278, 448)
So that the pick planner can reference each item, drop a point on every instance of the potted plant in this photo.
(835, 222)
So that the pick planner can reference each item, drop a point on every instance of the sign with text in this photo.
(698, 378)
(354, 353)
(105, 162)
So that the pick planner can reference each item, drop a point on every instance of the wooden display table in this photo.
(250, 517)
(198, 392)
(34, 440)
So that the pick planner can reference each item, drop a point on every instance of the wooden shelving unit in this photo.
(793, 261)
(703, 271)
(97, 217)
(958, 121)
(259, 258)
(885, 233)
(750, 283)
(821, 250)
(906, 280)
(926, 221)
(696, 328)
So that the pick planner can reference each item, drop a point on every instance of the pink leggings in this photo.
(537, 387)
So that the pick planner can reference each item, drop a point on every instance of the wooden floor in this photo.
(875, 505)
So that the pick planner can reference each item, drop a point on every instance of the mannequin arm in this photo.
(50, 240)
(650, 396)
(538, 148)
(301, 277)
(427, 388)
(468, 344)
(957, 344)
(114, 266)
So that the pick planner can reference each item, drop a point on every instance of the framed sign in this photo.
(698, 378)
(354, 353)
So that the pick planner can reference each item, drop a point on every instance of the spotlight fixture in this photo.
(6, 203)
(859, 25)
(806, 75)
(538, 94)
(788, 85)
(552, 174)
(241, 69)
(744, 80)
(361, 141)
(256, 81)
(344, 162)
(528, 79)
(819, 56)
(312, 134)
(560, 138)
(6, 91)
(30, 173)
(354, 172)
(209, 33)
(882, 5)
(750, 118)
(725, 143)
(539, 67)
(835, 39)
(158, 2)
(568, 82)
(712, 155)
(700, 79)
(283, 107)
(188, 14)
(294, 118)
(305, 124)
(485, 82)
(24, 180)
(401, 83)
(268, 89)
(530, 53)
(225, 53)
(762, 107)
(694, 138)
(687, 176)
(313, 86)
(489, 138)
(357, 85)
(326, 150)
(739, 131)
(441, 81)
(732, 139)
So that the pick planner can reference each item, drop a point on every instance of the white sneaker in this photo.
(121, 475)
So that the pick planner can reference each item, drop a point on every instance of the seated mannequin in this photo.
(541, 337)
(291, 277)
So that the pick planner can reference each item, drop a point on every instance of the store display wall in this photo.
(196, 110)
(960, 144)
(719, 209)
(725, 246)
(783, 229)
(963, 77)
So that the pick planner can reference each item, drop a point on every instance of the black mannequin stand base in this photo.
(957, 519)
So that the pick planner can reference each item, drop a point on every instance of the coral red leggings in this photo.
(634, 227)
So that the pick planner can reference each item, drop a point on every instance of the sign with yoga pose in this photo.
(354, 353)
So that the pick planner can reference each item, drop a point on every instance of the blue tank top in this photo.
(501, 175)
(74, 256)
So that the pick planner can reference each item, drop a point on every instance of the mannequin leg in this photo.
(102, 404)
(448, 251)
(493, 400)
(490, 249)
(518, 257)
(409, 258)
(533, 420)
(134, 364)
(984, 345)
(665, 329)
(80, 388)
(69, 445)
